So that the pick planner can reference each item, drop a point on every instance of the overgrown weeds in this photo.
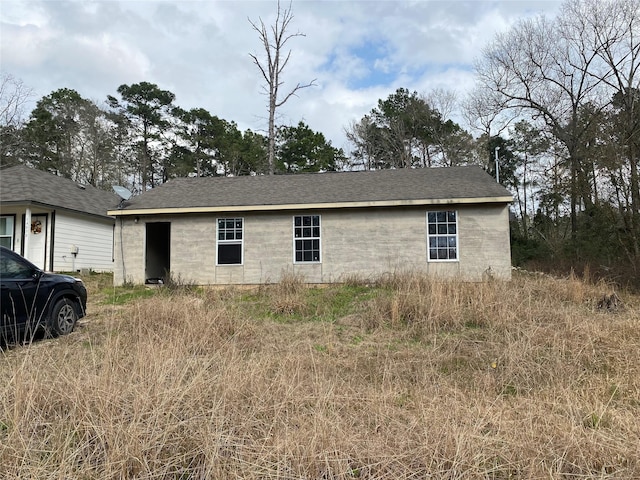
(404, 377)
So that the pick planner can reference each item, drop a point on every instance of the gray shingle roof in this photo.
(468, 182)
(23, 185)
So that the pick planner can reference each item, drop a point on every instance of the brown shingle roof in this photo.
(22, 185)
(468, 182)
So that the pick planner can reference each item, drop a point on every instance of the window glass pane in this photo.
(229, 230)
(229, 253)
(441, 233)
(307, 229)
(6, 231)
(6, 225)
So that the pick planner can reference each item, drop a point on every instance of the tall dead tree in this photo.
(274, 39)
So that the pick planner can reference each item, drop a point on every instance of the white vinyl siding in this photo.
(93, 238)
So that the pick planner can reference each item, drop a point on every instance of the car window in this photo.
(13, 268)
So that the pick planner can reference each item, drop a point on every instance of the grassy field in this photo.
(402, 378)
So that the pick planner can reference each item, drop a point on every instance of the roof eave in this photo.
(308, 206)
(49, 206)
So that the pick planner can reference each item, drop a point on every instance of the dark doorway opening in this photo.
(158, 252)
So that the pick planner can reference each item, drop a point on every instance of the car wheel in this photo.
(63, 318)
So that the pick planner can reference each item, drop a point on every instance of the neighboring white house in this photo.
(57, 224)
(450, 222)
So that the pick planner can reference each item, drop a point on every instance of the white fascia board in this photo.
(309, 206)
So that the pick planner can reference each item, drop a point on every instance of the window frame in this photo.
(311, 238)
(234, 241)
(447, 236)
(12, 235)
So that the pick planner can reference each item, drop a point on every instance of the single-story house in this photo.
(56, 223)
(450, 222)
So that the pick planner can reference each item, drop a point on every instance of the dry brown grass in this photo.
(410, 379)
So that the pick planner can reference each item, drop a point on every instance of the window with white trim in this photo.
(6, 231)
(230, 241)
(306, 238)
(442, 235)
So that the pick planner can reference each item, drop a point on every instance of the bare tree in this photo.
(274, 40)
(615, 27)
(545, 67)
(577, 78)
(443, 100)
(363, 135)
(485, 111)
(14, 96)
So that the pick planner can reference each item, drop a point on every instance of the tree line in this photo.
(140, 138)
(556, 107)
(567, 93)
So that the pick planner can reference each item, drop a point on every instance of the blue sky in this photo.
(357, 51)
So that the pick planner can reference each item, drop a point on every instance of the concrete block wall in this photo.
(128, 251)
(363, 242)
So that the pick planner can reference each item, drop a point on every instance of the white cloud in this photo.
(358, 51)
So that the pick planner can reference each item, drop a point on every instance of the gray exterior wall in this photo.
(366, 242)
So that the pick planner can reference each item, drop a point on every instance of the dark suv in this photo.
(33, 299)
